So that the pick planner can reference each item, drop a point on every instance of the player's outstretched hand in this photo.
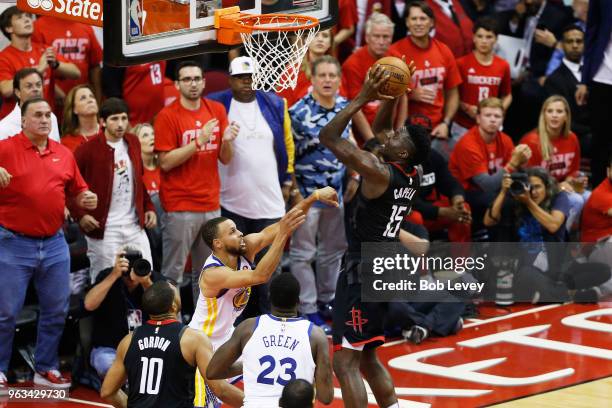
(327, 195)
(374, 81)
(291, 221)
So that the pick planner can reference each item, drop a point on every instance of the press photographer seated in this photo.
(529, 208)
(115, 300)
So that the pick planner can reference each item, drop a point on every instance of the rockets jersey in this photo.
(278, 351)
(216, 316)
(379, 219)
(565, 159)
(481, 82)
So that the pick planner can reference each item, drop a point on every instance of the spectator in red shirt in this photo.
(111, 164)
(344, 32)
(484, 75)
(597, 224)
(132, 84)
(81, 120)
(482, 157)
(151, 179)
(191, 135)
(36, 174)
(379, 32)
(435, 92)
(453, 26)
(22, 52)
(77, 43)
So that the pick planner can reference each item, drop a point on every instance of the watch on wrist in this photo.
(54, 64)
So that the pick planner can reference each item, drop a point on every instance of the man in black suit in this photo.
(565, 80)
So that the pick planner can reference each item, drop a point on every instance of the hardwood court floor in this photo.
(553, 354)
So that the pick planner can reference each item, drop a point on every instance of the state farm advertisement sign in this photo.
(83, 11)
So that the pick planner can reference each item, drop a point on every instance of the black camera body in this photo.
(141, 266)
(520, 183)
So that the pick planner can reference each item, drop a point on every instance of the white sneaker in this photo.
(52, 379)
(3, 384)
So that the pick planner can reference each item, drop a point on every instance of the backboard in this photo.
(137, 31)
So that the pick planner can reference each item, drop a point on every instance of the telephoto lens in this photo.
(142, 267)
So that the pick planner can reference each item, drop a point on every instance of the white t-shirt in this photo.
(10, 125)
(249, 183)
(122, 211)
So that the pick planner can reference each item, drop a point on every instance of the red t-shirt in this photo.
(435, 68)
(565, 159)
(472, 156)
(143, 91)
(194, 185)
(12, 60)
(74, 141)
(481, 82)
(596, 223)
(354, 71)
(76, 42)
(33, 202)
(151, 180)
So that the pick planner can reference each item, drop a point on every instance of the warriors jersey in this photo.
(278, 351)
(216, 316)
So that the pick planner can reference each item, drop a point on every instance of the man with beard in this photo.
(228, 273)
(383, 200)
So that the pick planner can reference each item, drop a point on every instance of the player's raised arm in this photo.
(365, 164)
(116, 376)
(259, 240)
(222, 277)
(323, 374)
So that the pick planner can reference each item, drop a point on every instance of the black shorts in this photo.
(361, 323)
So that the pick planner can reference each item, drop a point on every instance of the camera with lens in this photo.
(141, 266)
(520, 183)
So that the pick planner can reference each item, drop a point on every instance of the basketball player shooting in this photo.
(228, 273)
(275, 349)
(159, 359)
(383, 200)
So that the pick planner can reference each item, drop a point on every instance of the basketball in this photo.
(399, 76)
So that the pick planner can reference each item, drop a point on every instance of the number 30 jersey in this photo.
(278, 351)
(379, 219)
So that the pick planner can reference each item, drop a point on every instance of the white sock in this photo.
(396, 405)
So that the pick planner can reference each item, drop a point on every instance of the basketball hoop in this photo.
(277, 44)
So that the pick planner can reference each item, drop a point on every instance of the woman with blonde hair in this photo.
(81, 120)
(556, 148)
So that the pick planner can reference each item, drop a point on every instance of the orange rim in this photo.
(251, 23)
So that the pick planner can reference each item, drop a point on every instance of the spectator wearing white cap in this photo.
(253, 195)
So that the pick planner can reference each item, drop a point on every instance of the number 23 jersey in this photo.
(278, 351)
(380, 219)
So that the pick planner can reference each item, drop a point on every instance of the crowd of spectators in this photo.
(142, 156)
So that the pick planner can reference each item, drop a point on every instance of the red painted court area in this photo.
(509, 354)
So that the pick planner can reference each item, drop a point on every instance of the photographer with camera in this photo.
(115, 300)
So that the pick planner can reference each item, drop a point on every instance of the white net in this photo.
(277, 55)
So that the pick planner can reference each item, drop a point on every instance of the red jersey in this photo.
(76, 42)
(354, 71)
(480, 82)
(194, 185)
(596, 223)
(12, 60)
(565, 159)
(143, 90)
(435, 68)
(33, 202)
(151, 180)
(472, 156)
